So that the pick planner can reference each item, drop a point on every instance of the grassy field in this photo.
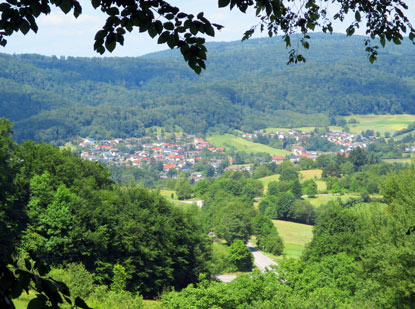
(380, 123)
(267, 179)
(294, 235)
(310, 174)
(324, 199)
(403, 160)
(241, 144)
(167, 193)
(303, 129)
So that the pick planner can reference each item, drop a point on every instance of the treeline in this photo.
(55, 99)
(361, 256)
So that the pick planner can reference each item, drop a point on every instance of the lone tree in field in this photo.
(382, 19)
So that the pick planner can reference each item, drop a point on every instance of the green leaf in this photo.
(95, 3)
(397, 41)
(110, 45)
(209, 30)
(163, 37)
(66, 6)
(357, 16)
(37, 303)
(411, 36)
(168, 26)
(24, 28)
(171, 41)
(382, 41)
(113, 11)
(193, 29)
(152, 32)
(223, 3)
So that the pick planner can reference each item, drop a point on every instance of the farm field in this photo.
(324, 199)
(241, 144)
(380, 123)
(294, 235)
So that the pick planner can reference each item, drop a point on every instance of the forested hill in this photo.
(246, 86)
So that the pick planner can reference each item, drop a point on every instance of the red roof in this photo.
(168, 166)
(104, 146)
(277, 158)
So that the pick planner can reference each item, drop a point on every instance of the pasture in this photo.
(267, 179)
(241, 144)
(379, 123)
(310, 174)
(324, 199)
(294, 235)
(402, 160)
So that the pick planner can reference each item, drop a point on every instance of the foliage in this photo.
(233, 222)
(303, 212)
(79, 281)
(240, 256)
(337, 230)
(267, 236)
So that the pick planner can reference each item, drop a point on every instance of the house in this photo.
(298, 150)
(277, 159)
(167, 167)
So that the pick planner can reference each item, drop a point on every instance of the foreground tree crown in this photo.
(383, 19)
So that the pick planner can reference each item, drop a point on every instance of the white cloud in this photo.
(60, 19)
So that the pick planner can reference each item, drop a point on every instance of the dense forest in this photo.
(246, 86)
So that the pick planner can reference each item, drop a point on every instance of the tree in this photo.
(241, 256)
(180, 30)
(234, 222)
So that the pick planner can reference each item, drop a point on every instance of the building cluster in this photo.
(178, 153)
(346, 141)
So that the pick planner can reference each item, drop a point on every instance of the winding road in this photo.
(263, 262)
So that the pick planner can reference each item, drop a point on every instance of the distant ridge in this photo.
(246, 86)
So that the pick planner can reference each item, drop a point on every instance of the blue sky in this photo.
(61, 34)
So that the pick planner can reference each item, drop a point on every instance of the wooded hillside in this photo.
(246, 86)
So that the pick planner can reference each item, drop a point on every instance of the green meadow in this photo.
(324, 199)
(380, 123)
(294, 235)
(241, 144)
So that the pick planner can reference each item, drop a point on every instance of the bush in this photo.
(79, 281)
(102, 298)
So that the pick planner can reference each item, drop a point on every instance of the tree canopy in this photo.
(383, 20)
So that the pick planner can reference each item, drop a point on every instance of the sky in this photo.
(63, 35)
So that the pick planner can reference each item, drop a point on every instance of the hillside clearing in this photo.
(241, 144)
(310, 174)
(294, 235)
(324, 199)
(380, 123)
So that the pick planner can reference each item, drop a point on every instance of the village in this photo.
(182, 152)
